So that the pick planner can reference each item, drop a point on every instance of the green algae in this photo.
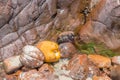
(94, 48)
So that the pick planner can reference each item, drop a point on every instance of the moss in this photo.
(93, 48)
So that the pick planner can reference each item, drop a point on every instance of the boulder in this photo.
(103, 24)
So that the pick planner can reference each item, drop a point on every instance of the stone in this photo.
(9, 38)
(6, 12)
(12, 64)
(116, 60)
(25, 28)
(103, 24)
(44, 73)
(46, 69)
(92, 70)
(31, 75)
(8, 51)
(67, 36)
(64, 3)
(6, 29)
(21, 16)
(67, 50)
(27, 15)
(31, 36)
(19, 45)
(100, 61)
(115, 72)
(52, 7)
(101, 78)
(8, 77)
(78, 67)
(31, 57)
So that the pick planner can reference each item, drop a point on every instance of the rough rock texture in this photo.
(28, 21)
(44, 73)
(100, 61)
(78, 67)
(12, 64)
(31, 57)
(103, 24)
(115, 73)
(116, 60)
(67, 50)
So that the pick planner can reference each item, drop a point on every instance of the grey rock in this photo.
(9, 38)
(31, 36)
(6, 12)
(8, 51)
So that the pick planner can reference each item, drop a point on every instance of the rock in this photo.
(12, 64)
(78, 67)
(9, 77)
(67, 50)
(31, 57)
(44, 73)
(101, 78)
(47, 70)
(17, 73)
(25, 69)
(115, 73)
(31, 36)
(9, 38)
(67, 36)
(6, 12)
(25, 16)
(8, 51)
(103, 24)
(100, 61)
(92, 70)
(31, 75)
(116, 60)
